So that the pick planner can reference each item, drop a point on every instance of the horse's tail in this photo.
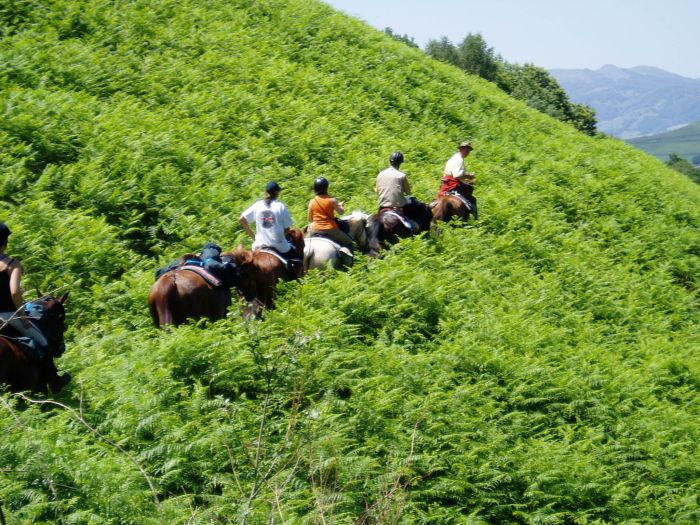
(164, 301)
(375, 229)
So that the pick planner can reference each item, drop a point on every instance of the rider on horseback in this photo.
(13, 314)
(272, 224)
(455, 178)
(392, 185)
(321, 216)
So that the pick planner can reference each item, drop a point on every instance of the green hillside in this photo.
(685, 142)
(539, 366)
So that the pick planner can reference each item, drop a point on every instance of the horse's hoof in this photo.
(57, 384)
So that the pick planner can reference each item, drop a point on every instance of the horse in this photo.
(388, 226)
(261, 269)
(320, 252)
(180, 295)
(449, 206)
(20, 372)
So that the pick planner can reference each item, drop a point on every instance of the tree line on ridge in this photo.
(528, 82)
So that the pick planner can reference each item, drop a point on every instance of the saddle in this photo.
(408, 223)
(293, 265)
(210, 266)
(29, 346)
(345, 255)
(461, 197)
(203, 273)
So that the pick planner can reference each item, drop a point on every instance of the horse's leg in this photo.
(17, 371)
(268, 291)
(375, 231)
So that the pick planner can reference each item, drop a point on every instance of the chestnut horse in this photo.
(260, 271)
(180, 295)
(20, 372)
(386, 227)
(450, 206)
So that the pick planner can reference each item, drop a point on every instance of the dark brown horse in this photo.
(260, 271)
(387, 227)
(20, 372)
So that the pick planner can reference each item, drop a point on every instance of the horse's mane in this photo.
(240, 255)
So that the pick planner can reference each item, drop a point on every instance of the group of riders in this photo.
(272, 223)
(272, 219)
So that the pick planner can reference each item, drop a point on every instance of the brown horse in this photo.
(180, 295)
(260, 271)
(387, 227)
(448, 207)
(20, 372)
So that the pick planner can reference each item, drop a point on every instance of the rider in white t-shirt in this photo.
(272, 221)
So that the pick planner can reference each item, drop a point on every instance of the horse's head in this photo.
(419, 212)
(244, 260)
(49, 314)
(358, 229)
(296, 237)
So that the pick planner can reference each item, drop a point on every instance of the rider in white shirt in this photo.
(272, 221)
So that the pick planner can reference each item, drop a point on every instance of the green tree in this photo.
(444, 51)
(408, 40)
(584, 119)
(477, 58)
(530, 83)
(681, 165)
(541, 91)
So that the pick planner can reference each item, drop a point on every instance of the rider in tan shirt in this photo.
(392, 184)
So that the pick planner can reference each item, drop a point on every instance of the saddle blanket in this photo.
(403, 219)
(324, 239)
(207, 276)
(273, 252)
(460, 197)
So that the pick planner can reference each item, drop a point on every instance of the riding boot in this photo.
(472, 201)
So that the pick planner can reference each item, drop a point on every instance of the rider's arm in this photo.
(309, 215)
(339, 207)
(406, 187)
(246, 227)
(16, 291)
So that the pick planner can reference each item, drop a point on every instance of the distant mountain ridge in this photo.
(634, 102)
(684, 141)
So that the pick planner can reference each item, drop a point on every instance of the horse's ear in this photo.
(242, 255)
(63, 298)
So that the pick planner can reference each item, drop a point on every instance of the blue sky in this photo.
(553, 33)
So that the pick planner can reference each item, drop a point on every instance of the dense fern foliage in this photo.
(539, 366)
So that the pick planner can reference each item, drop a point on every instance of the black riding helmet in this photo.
(320, 185)
(396, 158)
(4, 233)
